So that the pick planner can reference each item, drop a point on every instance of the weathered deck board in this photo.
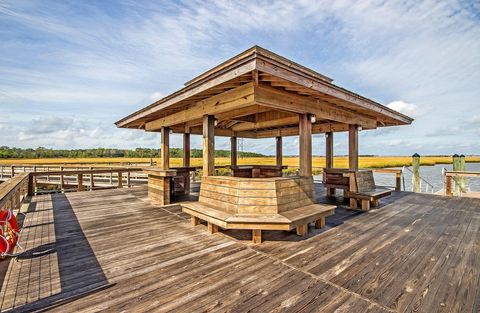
(114, 250)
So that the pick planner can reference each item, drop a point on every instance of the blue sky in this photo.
(70, 69)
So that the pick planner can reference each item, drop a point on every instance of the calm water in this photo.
(433, 174)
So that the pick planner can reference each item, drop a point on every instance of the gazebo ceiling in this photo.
(259, 94)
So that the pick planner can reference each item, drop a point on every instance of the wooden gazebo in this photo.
(258, 94)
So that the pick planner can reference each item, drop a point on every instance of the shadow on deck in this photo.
(414, 253)
(58, 263)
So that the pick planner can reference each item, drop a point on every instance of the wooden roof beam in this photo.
(266, 124)
(283, 100)
(266, 66)
(224, 102)
(294, 130)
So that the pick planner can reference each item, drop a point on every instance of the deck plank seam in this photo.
(317, 278)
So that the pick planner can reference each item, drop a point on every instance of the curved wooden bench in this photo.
(257, 204)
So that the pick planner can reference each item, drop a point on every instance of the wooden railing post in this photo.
(62, 180)
(13, 171)
(80, 182)
(1, 172)
(120, 179)
(92, 184)
(398, 181)
(128, 179)
(448, 185)
(31, 179)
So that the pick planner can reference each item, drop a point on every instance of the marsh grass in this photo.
(318, 162)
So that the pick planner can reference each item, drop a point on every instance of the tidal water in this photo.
(432, 174)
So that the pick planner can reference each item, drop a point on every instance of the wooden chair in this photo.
(362, 187)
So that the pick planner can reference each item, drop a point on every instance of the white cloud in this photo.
(406, 108)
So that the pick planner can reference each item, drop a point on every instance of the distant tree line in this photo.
(40, 153)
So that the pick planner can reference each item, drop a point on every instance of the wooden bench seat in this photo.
(292, 219)
(258, 204)
(363, 188)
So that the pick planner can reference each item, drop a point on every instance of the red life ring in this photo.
(8, 232)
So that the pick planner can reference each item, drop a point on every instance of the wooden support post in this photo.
(233, 151)
(329, 150)
(416, 172)
(111, 177)
(212, 228)
(208, 145)
(186, 161)
(320, 223)
(279, 151)
(80, 182)
(329, 158)
(448, 186)
(302, 230)
(256, 236)
(353, 147)
(305, 145)
(129, 179)
(194, 220)
(120, 180)
(12, 171)
(353, 203)
(1, 172)
(165, 148)
(186, 149)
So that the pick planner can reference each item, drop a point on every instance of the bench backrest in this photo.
(365, 181)
(334, 176)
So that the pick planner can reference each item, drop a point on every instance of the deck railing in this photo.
(425, 186)
(455, 183)
(13, 192)
(85, 179)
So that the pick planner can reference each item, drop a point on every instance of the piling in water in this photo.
(456, 168)
(462, 168)
(416, 172)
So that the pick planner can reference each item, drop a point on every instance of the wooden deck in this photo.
(113, 250)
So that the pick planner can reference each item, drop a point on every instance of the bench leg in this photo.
(330, 192)
(302, 230)
(194, 220)
(320, 222)
(256, 236)
(374, 203)
(353, 203)
(365, 205)
(212, 228)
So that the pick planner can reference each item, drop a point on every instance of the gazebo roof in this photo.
(258, 94)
